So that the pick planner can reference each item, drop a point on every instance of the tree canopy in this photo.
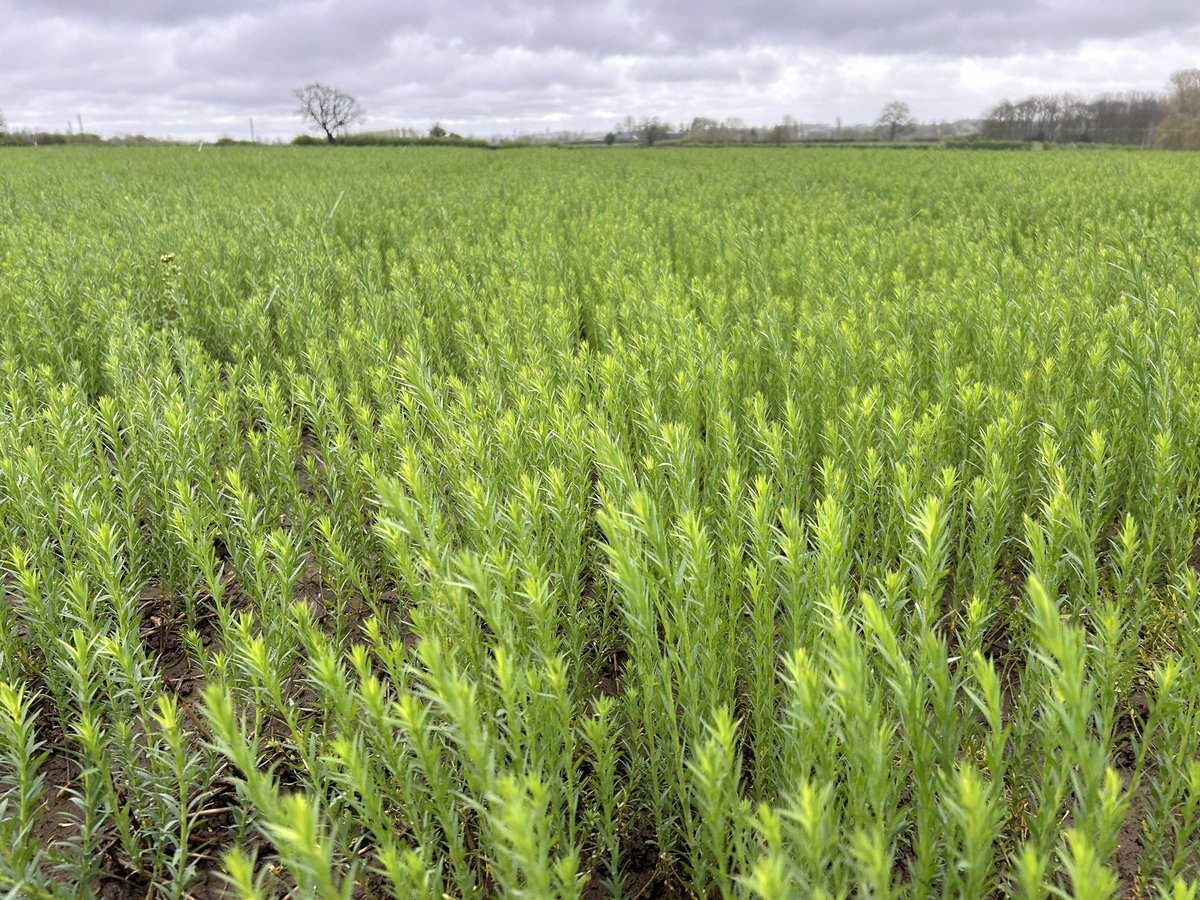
(896, 118)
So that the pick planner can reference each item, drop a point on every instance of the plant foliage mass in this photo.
(433, 523)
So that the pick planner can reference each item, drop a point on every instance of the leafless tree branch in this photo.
(328, 108)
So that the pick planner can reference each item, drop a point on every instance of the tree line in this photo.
(1170, 120)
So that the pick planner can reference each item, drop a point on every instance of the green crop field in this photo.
(435, 522)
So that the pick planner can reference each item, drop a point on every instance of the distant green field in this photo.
(429, 522)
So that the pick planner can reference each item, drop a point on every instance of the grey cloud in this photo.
(682, 69)
(140, 12)
(307, 37)
(723, 68)
(946, 27)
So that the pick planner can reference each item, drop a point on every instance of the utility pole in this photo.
(79, 117)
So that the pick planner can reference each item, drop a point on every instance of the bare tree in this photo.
(896, 118)
(328, 108)
(1112, 118)
(1185, 92)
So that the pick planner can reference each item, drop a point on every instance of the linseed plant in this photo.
(746, 524)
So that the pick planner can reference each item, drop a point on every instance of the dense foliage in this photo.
(758, 522)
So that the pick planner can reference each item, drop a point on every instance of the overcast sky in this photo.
(202, 69)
